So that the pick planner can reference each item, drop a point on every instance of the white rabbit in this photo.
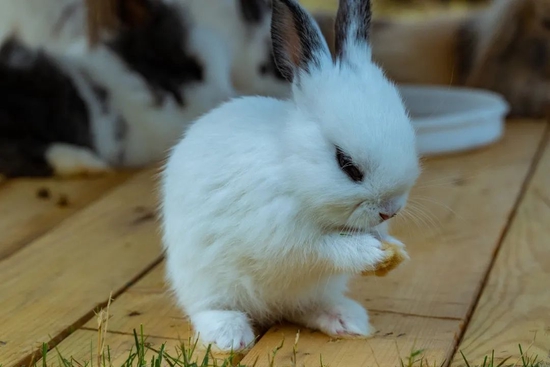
(269, 206)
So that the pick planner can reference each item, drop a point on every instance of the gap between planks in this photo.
(543, 146)
(78, 264)
(55, 340)
(26, 216)
(146, 304)
(508, 159)
(474, 259)
(514, 307)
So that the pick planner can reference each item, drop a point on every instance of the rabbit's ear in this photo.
(352, 29)
(298, 44)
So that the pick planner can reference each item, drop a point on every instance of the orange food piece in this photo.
(395, 255)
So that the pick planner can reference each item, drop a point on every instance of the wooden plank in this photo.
(514, 307)
(148, 303)
(82, 347)
(401, 335)
(54, 283)
(397, 337)
(26, 216)
(431, 285)
(439, 285)
(465, 202)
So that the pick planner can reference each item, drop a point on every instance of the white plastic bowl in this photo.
(454, 119)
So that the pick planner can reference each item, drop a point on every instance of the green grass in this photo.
(523, 361)
(143, 354)
(186, 354)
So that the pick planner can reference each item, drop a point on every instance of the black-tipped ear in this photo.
(134, 13)
(254, 11)
(352, 25)
(298, 44)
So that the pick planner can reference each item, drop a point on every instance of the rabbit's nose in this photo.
(386, 216)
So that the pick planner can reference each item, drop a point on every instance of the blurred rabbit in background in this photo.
(121, 103)
(218, 49)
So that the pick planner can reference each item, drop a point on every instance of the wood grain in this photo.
(428, 299)
(458, 212)
(25, 216)
(148, 303)
(469, 199)
(82, 347)
(468, 211)
(514, 307)
(55, 282)
(396, 338)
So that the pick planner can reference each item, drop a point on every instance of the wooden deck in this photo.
(479, 278)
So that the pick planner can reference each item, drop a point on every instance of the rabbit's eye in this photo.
(346, 164)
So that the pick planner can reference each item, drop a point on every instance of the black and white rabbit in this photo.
(269, 206)
(120, 104)
(245, 26)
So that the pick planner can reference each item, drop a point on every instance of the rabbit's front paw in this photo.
(394, 254)
(346, 319)
(224, 330)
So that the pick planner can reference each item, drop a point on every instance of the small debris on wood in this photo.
(145, 217)
(140, 209)
(63, 201)
(459, 181)
(134, 313)
(43, 193)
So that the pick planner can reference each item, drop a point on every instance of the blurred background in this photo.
(406, 8)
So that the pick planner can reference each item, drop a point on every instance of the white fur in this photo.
(69, 160)
(253, 201)
(348, 318)
(245, 47)
(47, 23)
(152, 129)
(250, 45)
(226, 330)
